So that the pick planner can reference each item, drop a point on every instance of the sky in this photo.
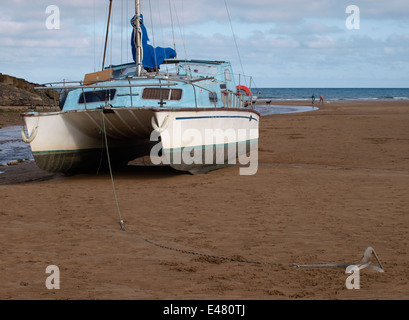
(279, 43)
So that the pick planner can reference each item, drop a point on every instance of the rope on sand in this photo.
(363, 263)
(222, 258)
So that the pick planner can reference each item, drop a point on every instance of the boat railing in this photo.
(233, 99)
(230, 99)
(247, 81)
(61, 88)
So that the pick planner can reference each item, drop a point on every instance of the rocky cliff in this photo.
(19, 92)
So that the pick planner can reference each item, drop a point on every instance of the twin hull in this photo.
(186, 139)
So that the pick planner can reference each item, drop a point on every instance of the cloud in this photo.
(321, 42)
(289, 11)
(288, 39)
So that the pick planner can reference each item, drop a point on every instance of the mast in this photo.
(138, 38)
(106, 37)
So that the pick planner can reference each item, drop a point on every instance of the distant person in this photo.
(313, 98)
(321, 100)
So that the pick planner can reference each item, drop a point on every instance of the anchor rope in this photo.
(369, 251)
(194, 253)
(121, 222)
(365, 260)
(364, 263)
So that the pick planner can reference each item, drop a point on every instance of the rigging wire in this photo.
(181, 31)
(112, 37)
(127, 34)
(183, 24)
(161, 28)
(153, 33)
(171, 21)
(235, 40)
(122, 30)
(95, 63)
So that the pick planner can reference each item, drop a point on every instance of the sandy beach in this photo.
(330, 183)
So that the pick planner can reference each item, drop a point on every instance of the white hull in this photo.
(71, 141)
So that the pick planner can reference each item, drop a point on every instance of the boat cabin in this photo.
(184, 84)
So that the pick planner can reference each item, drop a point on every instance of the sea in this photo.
(13, 148)
(332, 94)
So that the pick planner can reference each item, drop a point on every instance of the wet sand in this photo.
(330, 183)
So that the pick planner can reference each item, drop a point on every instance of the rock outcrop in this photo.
(19, 92)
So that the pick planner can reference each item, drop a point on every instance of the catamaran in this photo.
(194, 119)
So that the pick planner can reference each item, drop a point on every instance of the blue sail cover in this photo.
(153, 57)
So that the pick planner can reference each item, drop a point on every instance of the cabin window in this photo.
(161, 94)
(227, 75)
(200, 69)
(97, 96)
(213, 97)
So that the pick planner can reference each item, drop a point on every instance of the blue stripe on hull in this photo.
(213, 117)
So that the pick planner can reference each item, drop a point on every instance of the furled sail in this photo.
(153, 57)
